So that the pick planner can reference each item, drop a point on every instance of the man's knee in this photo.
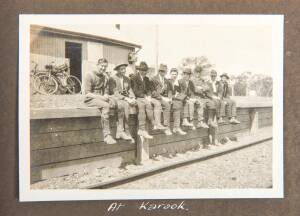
(177, 105)
(105, 110)
(166, 106)
(156, 103)
(141, 104)
(211, 104)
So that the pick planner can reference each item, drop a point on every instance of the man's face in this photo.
(122, 70)
(224, 79)
(162, 73)
(143, 73)
(174, 75)
(213, 77)
(102, 67)
(186, 76)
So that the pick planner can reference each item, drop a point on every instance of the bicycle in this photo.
(55, 78)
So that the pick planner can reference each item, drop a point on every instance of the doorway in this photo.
(74, 53)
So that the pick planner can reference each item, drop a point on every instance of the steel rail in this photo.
(150, 172)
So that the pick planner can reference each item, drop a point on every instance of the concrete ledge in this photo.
(63, 106)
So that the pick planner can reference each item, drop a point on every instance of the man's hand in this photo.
(131, 101)
(148, 98)
(105, 97)
(193, 99)
(166, 99)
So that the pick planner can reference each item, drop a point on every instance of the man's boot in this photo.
(202, 124)
(168, 132)
(122, 135)
(179, 131)
(144, 134)
(233, 120)
(109, 140)
(186, 123)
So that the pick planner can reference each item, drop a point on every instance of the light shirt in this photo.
(214, 85)
(162, 80)
(122, 83)
(141, 77)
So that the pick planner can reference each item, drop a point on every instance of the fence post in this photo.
(253, 120)
(142, 150)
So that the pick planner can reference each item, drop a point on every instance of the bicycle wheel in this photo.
(45, 85)
(73, 85)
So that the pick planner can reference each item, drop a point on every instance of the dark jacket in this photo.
(141, 88)
(97, 84)
(224, 90)
(176, 93)
(187, 89)
(159, 89)
(204, 90)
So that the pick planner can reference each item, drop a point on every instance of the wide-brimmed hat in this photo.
(143, 66)
(120, 65)
(162, 67)
(187, 70)
(225, 75)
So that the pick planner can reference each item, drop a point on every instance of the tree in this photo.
(192, 62)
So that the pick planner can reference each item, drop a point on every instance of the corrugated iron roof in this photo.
(80, 35)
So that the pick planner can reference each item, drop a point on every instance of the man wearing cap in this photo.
(203, 96)
(162, 93)
(120, 89)
(187, 88)
(220, 105)
(178, 98)
(141, 85)
(224, 92)
(96, 89)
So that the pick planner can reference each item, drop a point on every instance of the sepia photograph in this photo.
(150, 106)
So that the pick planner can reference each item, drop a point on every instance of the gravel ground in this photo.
(247, 168)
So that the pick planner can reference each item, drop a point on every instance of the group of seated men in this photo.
(155, 96)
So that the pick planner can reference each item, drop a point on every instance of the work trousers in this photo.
(230, 107)
(220, 107)
(157, 109)
(200, 104)
(144, 110)
(104, 107)
(125, 106)
(176, 107)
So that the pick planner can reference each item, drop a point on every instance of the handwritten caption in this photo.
(149, 206)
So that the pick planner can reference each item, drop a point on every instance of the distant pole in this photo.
(156, 47)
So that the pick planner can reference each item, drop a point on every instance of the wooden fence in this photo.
(68, 140)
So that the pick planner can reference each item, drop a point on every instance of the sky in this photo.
(232, 49)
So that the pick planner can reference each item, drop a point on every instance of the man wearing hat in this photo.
(97, 95)
(141, 87)
(224, 92)
(187, 88)
(178, 98)
(220, 106)
(162, 92)
(203, 96)
(120, 89)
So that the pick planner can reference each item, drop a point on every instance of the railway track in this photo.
(149, 172)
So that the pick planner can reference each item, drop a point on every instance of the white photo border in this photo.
(27, 194)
